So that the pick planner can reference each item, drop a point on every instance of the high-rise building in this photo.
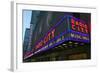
(26, 41)
(33, 24)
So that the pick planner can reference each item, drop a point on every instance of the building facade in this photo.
(60, 36)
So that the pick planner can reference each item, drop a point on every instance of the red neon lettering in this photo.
(53, 33)
(72, 21)
(73, 26)
(79, 26)
(82, 27)
(39, 44)
(49, 36)
(86, 28)
(77, 23)
(45, 40)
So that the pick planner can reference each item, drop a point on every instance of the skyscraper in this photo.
(26, 40)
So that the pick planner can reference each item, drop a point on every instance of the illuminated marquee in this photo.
(68, 28)
(53, 33)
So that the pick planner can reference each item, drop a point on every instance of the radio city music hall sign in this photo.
(76, 26)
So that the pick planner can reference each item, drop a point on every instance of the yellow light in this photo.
(64, 44)
(70, 42)
(56, 47)
(76, 43)
(59, 46)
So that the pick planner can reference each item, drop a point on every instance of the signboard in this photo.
(78, 25)
(79, 30)
(68, 28)
(54, 35)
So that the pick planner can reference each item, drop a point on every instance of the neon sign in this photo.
(79, 26)
(54, 32)
(47, 38)
(60, 32)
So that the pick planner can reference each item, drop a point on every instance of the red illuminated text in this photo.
(48, 37)
(79, 26)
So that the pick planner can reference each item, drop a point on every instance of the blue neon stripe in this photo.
(51, 29)
(79, 33)
(54, 38)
